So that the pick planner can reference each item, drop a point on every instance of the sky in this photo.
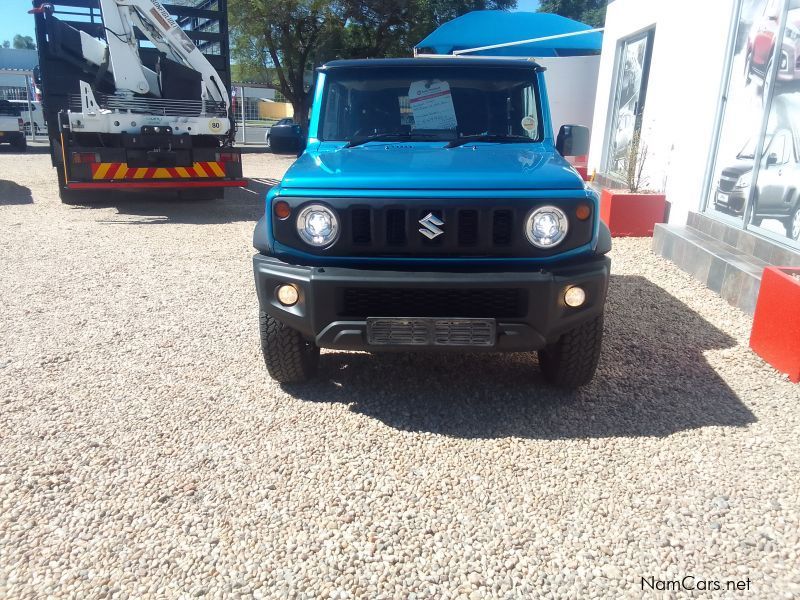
(17, 20)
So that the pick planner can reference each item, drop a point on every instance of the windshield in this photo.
(430, 103)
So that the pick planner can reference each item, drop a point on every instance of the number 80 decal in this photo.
(215, 125)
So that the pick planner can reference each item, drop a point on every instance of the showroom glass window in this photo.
(755, 179)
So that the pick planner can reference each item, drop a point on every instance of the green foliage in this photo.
(280, 41)
(284, 35)
(591, 12)
(6, 44)
(23, 42)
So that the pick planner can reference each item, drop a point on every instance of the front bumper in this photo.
(335, 303)
(730, 202)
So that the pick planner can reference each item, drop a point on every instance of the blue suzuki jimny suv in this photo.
(433, 210)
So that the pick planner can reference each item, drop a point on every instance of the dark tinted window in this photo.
(8, 109)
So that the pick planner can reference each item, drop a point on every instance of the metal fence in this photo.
(251, 125)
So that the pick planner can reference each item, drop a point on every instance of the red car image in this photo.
(762, 39)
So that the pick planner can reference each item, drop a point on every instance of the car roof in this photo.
(465, 62)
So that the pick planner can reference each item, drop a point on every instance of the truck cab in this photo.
(433, 209)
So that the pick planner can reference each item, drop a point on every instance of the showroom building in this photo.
(706, 87)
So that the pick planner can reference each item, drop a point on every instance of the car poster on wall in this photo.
(631, 89)
(766, 189)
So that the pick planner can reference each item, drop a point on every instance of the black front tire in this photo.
(21, 144)
(572, 361)
(288, 356)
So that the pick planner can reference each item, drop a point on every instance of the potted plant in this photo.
(776, 323)
(634, 210)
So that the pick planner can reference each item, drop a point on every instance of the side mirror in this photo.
(573, 140)
(772, 159)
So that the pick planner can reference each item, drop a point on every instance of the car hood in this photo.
(737, 169)
(431, 166)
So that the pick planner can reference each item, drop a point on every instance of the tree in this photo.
(591, 12)
(281, 41)
(24, 42)
(284, 35)
(6, 44)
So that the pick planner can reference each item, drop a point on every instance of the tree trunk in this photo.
(300, 108)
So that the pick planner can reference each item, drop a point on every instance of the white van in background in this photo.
(38, 116)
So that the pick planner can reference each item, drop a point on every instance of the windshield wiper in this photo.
(392, 135)
(487, 137)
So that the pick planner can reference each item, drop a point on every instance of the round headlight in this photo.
(318, 225)
(546, 226)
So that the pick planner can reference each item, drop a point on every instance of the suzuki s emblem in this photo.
(431, 226)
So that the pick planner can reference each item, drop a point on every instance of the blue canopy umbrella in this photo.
(502, 33)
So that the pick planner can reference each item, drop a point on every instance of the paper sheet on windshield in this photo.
(432, 105)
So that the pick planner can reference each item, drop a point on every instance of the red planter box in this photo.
(632, 215)
(776, 323)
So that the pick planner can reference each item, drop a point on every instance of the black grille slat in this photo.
(403, 302)
(502, 227)
(362, 228)
(395, 226)
(468, 227)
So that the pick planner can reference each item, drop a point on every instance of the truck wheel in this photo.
(20, 144)
(288, 356)
(572, 360)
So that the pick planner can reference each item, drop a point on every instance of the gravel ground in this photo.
(145, 452)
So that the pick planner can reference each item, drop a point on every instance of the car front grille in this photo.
(726, 184)
(362, 302)
(471, 227)
(397, 225)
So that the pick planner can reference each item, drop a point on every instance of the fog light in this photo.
(574, 297)
(287, 295)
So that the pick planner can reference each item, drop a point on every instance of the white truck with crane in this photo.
(135, 96)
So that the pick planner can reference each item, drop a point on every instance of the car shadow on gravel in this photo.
(14, 193)
(653, 380)
(239, 204)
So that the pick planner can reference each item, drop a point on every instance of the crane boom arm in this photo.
(157, 25)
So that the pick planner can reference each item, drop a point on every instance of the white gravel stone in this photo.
(145, 452)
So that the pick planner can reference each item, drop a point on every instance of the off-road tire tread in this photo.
(289, 358)
(572, 361)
